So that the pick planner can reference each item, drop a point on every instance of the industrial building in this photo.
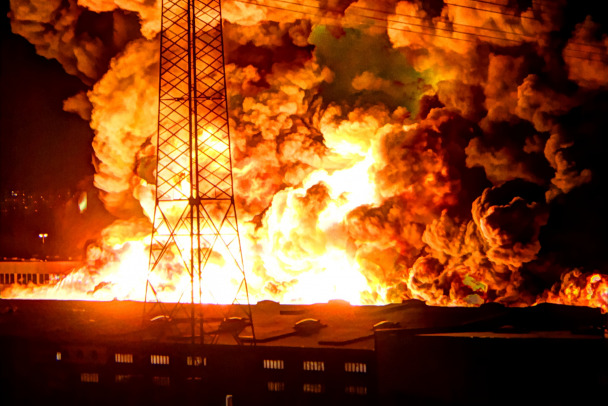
(33, 271)
(78, 352)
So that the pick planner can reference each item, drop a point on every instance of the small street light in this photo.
(43, 236)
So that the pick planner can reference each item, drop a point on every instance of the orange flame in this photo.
(579, 289)
(350, 200)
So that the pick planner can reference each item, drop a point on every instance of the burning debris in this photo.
(448, 152)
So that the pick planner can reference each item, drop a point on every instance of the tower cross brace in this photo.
(195, 227)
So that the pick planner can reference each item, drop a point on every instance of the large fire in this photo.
(382, 151)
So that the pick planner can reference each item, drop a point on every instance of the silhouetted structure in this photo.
(97, 353)
(195, 217)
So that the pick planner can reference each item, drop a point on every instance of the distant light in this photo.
(43, 236)
(82, 202)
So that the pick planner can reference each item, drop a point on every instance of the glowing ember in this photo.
(427, 151)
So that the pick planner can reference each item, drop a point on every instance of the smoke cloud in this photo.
(439, 150)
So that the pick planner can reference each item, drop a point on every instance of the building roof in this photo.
(335, 324)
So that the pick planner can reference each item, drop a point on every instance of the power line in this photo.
(409, 16)
(490, 11)
(408, 23)
(461, 24)
(600, 47)
(537, 2)
(417, 25)
(337, 20)
(446, 22)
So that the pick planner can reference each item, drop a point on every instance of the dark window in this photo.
(313, 387)
(91, 377)
(276, 386)
(161, 380)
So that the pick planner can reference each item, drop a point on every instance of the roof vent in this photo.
(306, 327)
(386, 324)
(233, 325)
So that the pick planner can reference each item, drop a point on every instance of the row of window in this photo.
(159, 359)
(313, 366)
(123, 358)
(191, 360)
(157, 380)
(122, 378)
(25, 278)
(155, 359)
(197, 360)
(313, 387)
(318, 388)
(93, 377)
(274, 364)
(80, 355)
(357, 367)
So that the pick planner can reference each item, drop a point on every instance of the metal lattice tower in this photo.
(195, 221)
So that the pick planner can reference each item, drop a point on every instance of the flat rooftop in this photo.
(343, 325)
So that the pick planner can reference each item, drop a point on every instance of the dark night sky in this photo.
(42, 148)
